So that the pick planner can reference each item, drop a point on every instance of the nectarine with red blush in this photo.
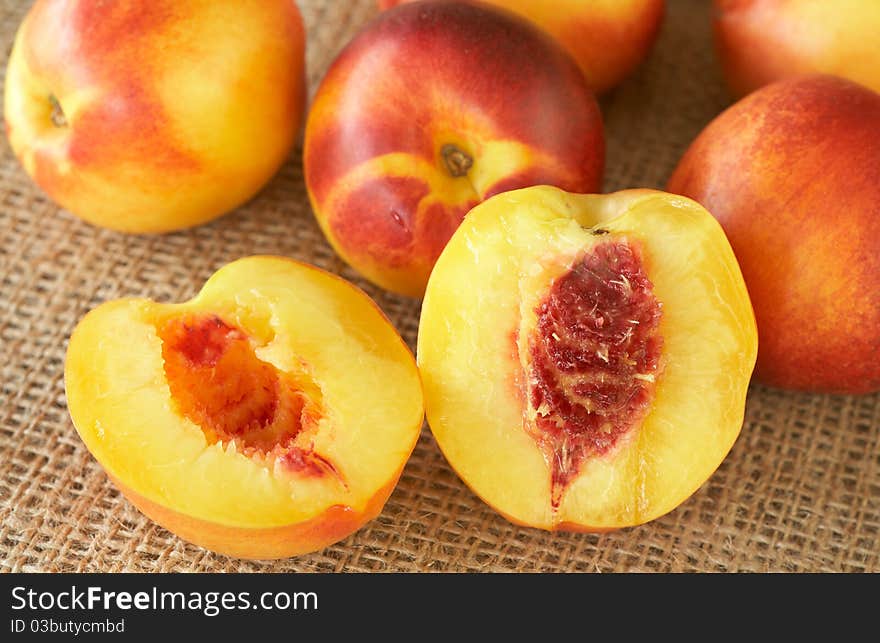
(155, 116)
(762, 41)
(792, 172)
(607, 38)
(431, 109)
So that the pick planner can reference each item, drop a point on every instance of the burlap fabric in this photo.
(799, 492)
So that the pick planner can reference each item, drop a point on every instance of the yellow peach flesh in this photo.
(477, 317)
(305, 323)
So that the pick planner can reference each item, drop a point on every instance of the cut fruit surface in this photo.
(593, 358)
(586, 357)
(269, 416)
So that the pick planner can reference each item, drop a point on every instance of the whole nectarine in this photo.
(792, 172)
(761, 41)
(607, 38)
(155, 116)
(586, 358)
(432, 108)
(269, 416)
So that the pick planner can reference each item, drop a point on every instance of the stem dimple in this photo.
(457, 162)
(57, 116)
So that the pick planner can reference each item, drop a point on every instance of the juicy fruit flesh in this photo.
(478, 322)
(595, 356)
(218, 383)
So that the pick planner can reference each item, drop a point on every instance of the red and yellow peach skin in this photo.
(150, 117)
(761, 41)
(431, 109)
(607, 38)
(792, 172)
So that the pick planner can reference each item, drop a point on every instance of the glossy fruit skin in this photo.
(609, 39)
(792, 172)
(762, 41)
(153, 117)
(431, 109)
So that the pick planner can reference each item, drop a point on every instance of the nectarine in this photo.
(761, 41)
(607, 38)
(155, 116)
(432, 108)
(586, 357)
(792, 172)
(269, 416)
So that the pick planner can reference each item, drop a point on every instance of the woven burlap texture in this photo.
(800, 490)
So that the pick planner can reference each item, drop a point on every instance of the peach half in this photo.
(586, 358)
(267, 417)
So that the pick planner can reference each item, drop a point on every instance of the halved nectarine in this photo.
(269, 416)
(586, 358)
